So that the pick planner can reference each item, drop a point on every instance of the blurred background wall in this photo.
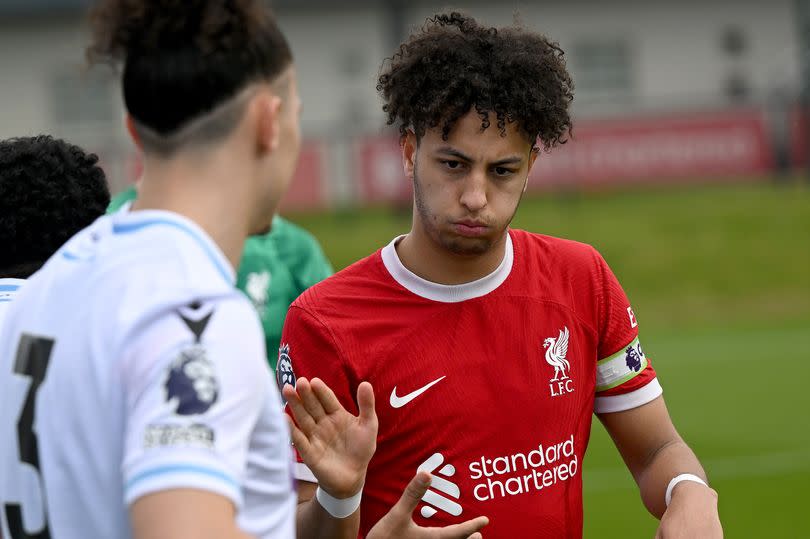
(670, 90)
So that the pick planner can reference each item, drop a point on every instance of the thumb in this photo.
(365, 402)
(413, 493)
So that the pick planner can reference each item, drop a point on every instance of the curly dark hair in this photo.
(182, 58)
(455, 64)
(49, 190)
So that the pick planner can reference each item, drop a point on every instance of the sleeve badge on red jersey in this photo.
(632, 316)
(634, 357)
(284, 369)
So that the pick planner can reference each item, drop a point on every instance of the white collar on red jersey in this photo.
(447, 293)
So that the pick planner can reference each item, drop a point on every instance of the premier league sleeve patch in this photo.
(191, 384)
(284, 369)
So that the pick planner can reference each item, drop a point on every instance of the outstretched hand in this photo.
(398, 522)
(336, 445)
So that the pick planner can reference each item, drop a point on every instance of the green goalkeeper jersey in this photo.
(275, 268)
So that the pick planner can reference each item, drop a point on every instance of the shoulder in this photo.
(367, 275)
(550, 249)
(153, 266)
(175, 251)
(173, 325)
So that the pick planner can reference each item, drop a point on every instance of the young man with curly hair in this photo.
(489, 348)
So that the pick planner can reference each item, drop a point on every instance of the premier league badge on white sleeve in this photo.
(191, 385)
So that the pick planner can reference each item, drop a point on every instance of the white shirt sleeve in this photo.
(196, 380)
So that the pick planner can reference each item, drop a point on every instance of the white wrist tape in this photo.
(677, 479)
(336, 507)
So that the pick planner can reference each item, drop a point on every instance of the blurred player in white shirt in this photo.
(139, 401)
(49, 190)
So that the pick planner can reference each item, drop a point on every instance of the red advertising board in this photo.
(706, 146)
(381, 176)
(799, 123)
(308, 187)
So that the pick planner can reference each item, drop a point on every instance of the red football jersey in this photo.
(489, 385)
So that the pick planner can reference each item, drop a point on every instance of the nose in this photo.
(474, 192)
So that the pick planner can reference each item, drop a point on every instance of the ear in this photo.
(133, 133)
(533, 153)
(268, 111)
(409, 147)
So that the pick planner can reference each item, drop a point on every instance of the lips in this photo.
(470, 229)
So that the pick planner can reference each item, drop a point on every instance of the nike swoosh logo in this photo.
(399, 402)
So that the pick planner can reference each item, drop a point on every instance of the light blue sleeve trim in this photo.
(9, 287)
(128, 228)
(182, 469)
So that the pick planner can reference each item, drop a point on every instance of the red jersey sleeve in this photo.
(309, 350)
(625, 378)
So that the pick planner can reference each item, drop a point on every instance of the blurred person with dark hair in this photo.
(142, 399)
(49, 190)
(275, 268)
(492, 347)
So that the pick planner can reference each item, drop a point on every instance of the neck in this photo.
(423, 256)
(210, 189)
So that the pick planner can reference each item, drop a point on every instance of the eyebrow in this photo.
(447, 150)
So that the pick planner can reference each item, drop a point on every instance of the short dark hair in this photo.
(49, 190)
(184, 58)
(455, 64)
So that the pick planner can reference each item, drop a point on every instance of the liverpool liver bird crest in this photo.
(556, 349)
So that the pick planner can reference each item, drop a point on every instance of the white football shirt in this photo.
(129, 365)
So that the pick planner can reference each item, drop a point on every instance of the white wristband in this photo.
(677, 479)
(338, 508)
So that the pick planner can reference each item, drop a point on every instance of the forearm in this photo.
(655, 453)
(314, 522)
(672, 459)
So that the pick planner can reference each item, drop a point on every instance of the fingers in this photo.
(365, 402)
(309, 399)
(469, 529)
(416, 488)
(326, 397)
(312, 401)
(299, 410)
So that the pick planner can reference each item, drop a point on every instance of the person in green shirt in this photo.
(275, 268)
